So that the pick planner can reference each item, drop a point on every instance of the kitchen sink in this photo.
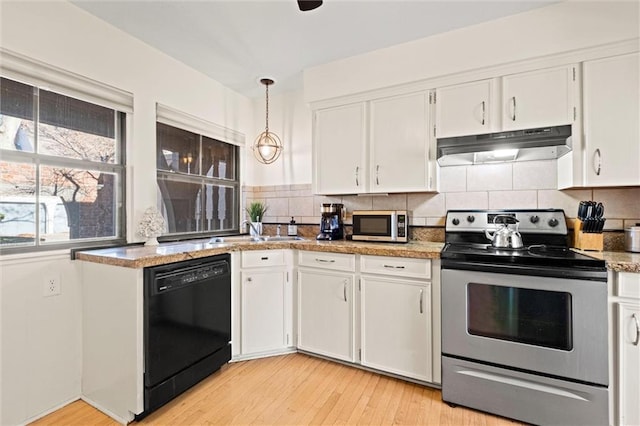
(250, 239)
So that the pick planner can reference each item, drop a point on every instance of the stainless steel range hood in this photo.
(519, 145)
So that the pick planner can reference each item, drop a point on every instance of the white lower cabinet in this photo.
(395, 316)
(265, 303)
(629, 362)
(624, 330)
(396, 326)
(325, 313)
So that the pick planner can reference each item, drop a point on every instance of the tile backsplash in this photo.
(526, 185)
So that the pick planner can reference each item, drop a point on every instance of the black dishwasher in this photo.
(187, 325)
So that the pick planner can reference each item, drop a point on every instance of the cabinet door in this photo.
(326, 313)
(629, 363)
(339, 150)
(464, 109)
(538, 99)
(400, 144)
(263, 311)
(612, 120)
(396, 326)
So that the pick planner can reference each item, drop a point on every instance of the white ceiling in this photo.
(237, 41)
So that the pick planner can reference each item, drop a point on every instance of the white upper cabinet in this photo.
(465, 109)
(611, 96)
(339, 149)
(539, 98)
(377, 146)
(400, 144)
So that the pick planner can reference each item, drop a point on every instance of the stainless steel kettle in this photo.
(504, 236)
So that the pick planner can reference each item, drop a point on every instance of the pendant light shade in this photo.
(268, 146)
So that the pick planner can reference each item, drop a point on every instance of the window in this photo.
(198, 182)
(61, 169)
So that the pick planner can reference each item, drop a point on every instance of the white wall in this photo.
(549, 30)
(40, 352)
(290, 119)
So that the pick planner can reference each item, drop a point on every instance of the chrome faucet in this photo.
(257, 231)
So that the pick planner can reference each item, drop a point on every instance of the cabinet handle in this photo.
(357, 173)
(249, 279)
(377, 173)
(513, 115)
(393, 267)
(344, 290)
(598, 167)
(325, 260)
(637, 339)
(421, 291)
(483, 112)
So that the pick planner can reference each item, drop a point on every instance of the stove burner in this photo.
(505, 250)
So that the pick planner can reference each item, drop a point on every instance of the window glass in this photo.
(218, 159)
(178, 150)
(193, 202)
(87, 203)
(76, 129)
(17, 205)
(16, 116)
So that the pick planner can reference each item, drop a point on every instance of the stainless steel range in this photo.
(524, 319)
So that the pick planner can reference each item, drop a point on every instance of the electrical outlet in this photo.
(51, 286)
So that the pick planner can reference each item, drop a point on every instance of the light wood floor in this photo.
(294, 389)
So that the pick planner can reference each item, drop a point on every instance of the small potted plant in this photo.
(256, 211)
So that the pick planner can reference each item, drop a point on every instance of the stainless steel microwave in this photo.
(381, 225)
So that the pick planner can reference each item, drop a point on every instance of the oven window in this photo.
(373, 225)
(535, 317)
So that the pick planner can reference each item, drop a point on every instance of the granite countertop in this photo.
(143, 256)
(619, 261)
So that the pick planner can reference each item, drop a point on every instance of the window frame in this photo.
(201, 179)
(40, 76)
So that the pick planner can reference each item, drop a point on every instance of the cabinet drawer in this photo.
(629, 285)
(334, 261)
(396, 266)
(260, 258)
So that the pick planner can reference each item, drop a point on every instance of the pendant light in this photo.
(267, 147)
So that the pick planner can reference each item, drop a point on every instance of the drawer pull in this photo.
(637, 339)
(393, 267)
(325, 260)
(264, 258)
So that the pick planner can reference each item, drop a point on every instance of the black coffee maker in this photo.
(331, 223)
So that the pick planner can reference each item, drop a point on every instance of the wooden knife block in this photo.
(584, 240)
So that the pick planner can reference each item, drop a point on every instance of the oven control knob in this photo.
(534, 219)
(553, 222)
(470, 219)
(455, 221)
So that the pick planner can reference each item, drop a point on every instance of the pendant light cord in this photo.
(266, 125)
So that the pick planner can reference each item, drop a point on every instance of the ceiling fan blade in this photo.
(305, 5)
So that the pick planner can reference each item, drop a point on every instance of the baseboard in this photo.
(264, 354)
(106, 412)
(49, 411)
